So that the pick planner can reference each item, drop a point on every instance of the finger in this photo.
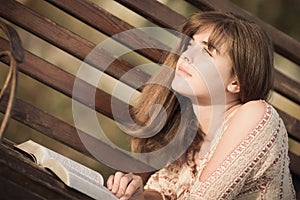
(116, 182)
(109, 182)
(134, 187)
(125, 180)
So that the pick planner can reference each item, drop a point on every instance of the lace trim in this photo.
(203, 186)
(253, 164)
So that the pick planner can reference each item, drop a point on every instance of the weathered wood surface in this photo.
(110, 25)
(68, 41)
(68, 135)
(21, 178)
(62, 81)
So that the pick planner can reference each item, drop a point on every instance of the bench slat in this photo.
(287, 87)
(62, 81)
(294, 164)
(67, 134)
(68, 41)
(292, 125)
(110, 25)
(155, 12)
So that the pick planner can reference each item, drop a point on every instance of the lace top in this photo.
(258, 168)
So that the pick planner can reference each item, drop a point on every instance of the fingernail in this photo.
(123, 198)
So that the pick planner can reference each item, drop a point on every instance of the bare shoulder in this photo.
(254, 107)
(252, 111)
(250, 114)
(247, 118)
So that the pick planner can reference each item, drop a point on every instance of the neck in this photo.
(208, 113)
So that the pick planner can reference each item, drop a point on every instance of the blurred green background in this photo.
(282, 14)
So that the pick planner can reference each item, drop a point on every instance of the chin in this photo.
(180, 85)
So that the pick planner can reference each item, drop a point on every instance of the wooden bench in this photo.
(20, 177)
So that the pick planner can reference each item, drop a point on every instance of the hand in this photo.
(125, 186)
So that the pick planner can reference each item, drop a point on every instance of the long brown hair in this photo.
(251, 53)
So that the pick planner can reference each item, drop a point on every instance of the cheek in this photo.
(216, 76)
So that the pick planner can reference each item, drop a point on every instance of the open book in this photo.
(73, 174)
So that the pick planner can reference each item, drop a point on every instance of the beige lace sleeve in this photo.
(256, 169)
(165, 181)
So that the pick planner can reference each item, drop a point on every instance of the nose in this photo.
(186, 59)
(186, 56)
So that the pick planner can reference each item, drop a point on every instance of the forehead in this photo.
(213, 37)
(200, 36)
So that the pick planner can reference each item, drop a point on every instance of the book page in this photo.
(72, 173)
(38, 152)
(77, 169)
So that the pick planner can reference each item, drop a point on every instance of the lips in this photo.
(181, 70)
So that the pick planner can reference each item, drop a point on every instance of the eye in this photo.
(207, 51)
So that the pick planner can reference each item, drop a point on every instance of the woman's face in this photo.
(202, 70)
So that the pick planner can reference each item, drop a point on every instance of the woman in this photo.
(245, 156)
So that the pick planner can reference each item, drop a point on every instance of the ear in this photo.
(234, 86)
